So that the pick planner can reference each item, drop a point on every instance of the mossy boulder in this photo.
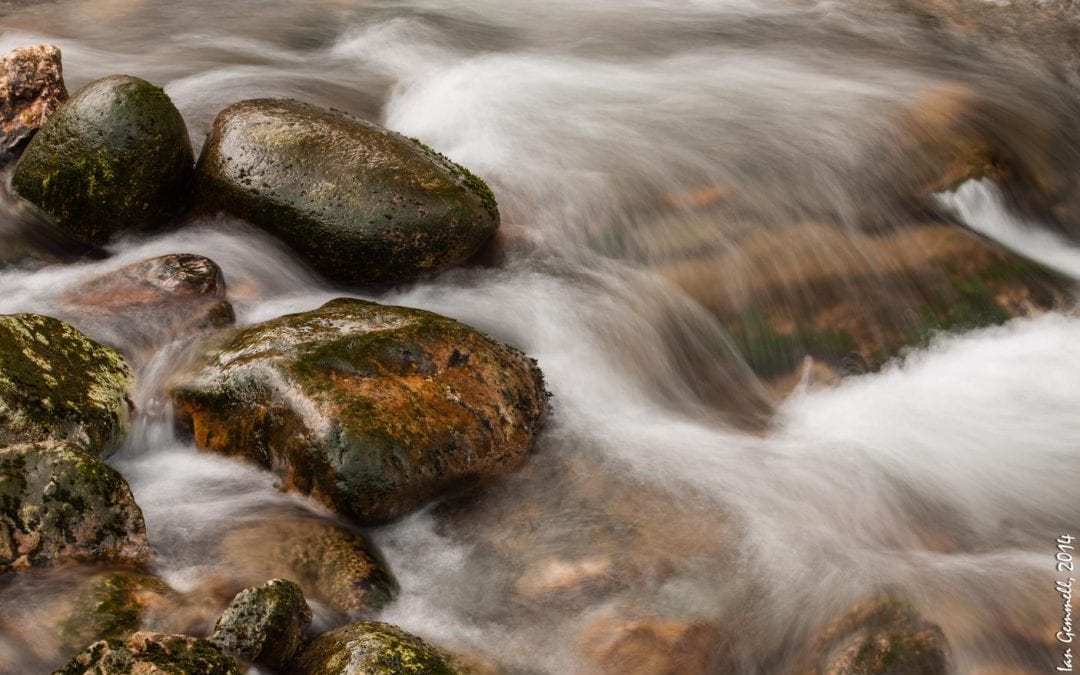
(56, 383)
(264, 625)
(116, 157)
(332, 564)
(369, 408)
(112, 606)
(881, 636)
(373, 648)
(59, 503)
(360, 203)
(156, 653)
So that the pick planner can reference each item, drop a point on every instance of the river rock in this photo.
(375, 648)
(333, 565)
(264, 625)
(55, 383)
(360, 203)
(657, 646)
(116, 157)
(371, 409)
(156, 653)
(31, 90)
(112, 606)
(153, 301)
(59, 503)
(854, 300)
(878, 637)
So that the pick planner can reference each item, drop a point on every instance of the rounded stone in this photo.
(156, 653)
(371, 409)
(360, 203)
(373, 648)
(264, 625)
(58, 384)
(58, 503)
(116, 157)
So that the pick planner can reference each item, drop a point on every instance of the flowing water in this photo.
(604, 127)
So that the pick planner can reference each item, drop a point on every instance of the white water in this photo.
(944, 478)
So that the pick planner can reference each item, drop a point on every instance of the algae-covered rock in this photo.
(58, 503)
(55, 383)
(878, 637)
(114, 158)
(333, 565)
(111, 605)
(373, 648)
(155, 653)
(371, 409)
(264, 625)
(31, 90)
(360, 203)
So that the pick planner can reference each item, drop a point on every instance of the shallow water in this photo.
(619, 136)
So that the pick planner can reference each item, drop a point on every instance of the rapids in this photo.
(601, 126)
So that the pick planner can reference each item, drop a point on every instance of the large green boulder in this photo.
(111, 605)
(375, 649)
(369, 408)
(56, 383)
(157, 653)
(58, 503)
(265, 624)
(360, 203)
(115, 157)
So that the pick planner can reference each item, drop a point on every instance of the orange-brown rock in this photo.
(656, 646)
(371, 409)
(31, 89)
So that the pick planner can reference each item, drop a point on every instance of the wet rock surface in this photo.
(332, 564)
(264, 625)
(152, 653)
(57, 384)
(59, 504)
(374, 648)
(115, 158)
(360, 203)
(31, 90)
(371, 409)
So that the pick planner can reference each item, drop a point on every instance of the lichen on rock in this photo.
(57, 384)
(265, 624)
(156, 653)
(58, 503)
(374, 648)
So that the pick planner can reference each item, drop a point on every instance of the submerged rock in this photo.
(332, 564)
(853, 300)
(878, 637)
(114, 158)
(369, 408)
(55, 383)
(58, 503)
(156, 653)
(112, 605)
(264, 625)
(153, 301)
(31, 90)
(657, 646)
(374, 648)
(360, 203)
